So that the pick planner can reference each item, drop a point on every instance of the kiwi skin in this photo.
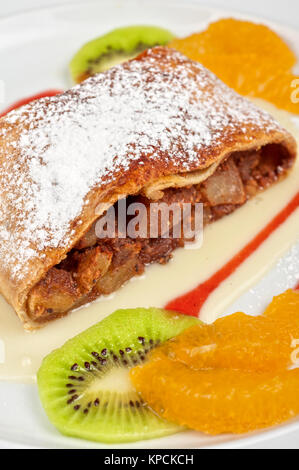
(115, 47)
(73, 386)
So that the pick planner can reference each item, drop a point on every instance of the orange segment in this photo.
(284, 306)
(231, 376)
(231, 36)
(217, 401)
(239, 341)
(248, 57)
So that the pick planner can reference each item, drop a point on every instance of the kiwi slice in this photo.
(115, 47)
(85, 388)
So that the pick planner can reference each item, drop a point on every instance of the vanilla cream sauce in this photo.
(21, 353)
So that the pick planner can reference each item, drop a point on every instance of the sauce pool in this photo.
(23, 101)
(192, 302)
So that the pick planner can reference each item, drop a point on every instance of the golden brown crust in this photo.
(30, 143)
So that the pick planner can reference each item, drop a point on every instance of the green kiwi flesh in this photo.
(115, 47)
(85, 388)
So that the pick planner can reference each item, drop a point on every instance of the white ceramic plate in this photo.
(35, 48)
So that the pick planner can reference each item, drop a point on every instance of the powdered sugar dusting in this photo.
(163, 106)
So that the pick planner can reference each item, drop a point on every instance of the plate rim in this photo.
(244, 441)
(166, 3)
